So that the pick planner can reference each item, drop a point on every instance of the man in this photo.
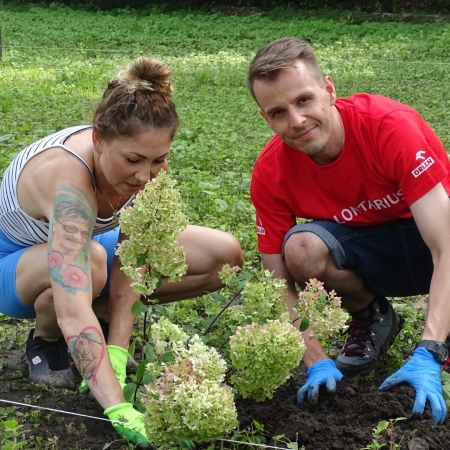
(374, 179)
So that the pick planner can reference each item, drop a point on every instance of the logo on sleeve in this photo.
(427, 163)
(419, 154)
(259, 228)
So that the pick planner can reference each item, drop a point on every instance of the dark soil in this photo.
(343, 421)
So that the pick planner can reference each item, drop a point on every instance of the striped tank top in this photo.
(14, 222)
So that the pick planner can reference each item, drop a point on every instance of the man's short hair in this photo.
(281, 53)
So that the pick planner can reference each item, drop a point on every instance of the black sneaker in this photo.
(49, 362)
(370, 333)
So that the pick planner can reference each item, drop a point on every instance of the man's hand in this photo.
(321, 372)
(424, 374)
(129, 423)
(119, 358)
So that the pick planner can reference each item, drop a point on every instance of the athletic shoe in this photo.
(49, 362)
(370, 333)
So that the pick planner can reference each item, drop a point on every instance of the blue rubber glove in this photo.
(424, 374)
(129, 423)
(119, 358)
(321, 372)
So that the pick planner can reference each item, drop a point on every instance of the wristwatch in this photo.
(438, 349)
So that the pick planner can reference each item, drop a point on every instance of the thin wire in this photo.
(54, 410)
(107, 420)
(68, 48)
(441, 63)
(249, 443)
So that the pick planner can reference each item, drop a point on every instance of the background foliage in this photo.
(57, 61)
(377, 6)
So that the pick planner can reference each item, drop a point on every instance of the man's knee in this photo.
(306, 255)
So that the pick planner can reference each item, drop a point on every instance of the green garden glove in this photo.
(129, 423)
(119, 358)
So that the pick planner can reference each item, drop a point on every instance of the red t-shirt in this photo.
(391, 157)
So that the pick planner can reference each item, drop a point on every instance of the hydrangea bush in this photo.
(320, 311)
(261, 298)
(188, 400)
(187, 397)
(264, 356)
(152, 225)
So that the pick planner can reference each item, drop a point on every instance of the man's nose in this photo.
(296, 118)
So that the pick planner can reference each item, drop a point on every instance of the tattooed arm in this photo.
(78, 273)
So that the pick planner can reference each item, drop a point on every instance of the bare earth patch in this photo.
(344, 421)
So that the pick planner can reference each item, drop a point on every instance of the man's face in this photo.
(298, 109)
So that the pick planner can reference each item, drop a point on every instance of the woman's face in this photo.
(127, 164)
(69, 235)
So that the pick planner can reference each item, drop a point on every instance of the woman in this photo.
(59, 204)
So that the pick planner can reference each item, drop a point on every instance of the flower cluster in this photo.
(188, 399)
(265, 298)
(188, 409)
(262, 298)
(166, 334)
(321, 310)
(152, 225)
(264, 356)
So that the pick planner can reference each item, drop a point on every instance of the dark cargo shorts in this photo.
(392, 258)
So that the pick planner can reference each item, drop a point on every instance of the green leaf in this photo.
(322, 302)
(141, 368)
(128, 392)
(140, 260)
(219, 297)
(132, 348)
(445, 377)
(10, 424)
(304, 324)
(149, 353)
(161, 310)
(167, 357)
(207, 323)
(138, 308)
(148, 378)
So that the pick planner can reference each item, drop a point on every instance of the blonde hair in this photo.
(138, 98)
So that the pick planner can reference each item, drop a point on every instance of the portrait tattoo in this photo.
(69, 240)
(87, 351)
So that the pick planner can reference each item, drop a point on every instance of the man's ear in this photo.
(329, 87)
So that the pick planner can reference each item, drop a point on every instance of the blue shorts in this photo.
(10, 253)
(392, 258)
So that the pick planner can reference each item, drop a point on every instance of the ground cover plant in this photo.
(55, 63)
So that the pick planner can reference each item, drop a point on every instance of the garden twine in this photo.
(107, 420)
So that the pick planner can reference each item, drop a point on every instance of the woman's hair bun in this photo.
(145, 74)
